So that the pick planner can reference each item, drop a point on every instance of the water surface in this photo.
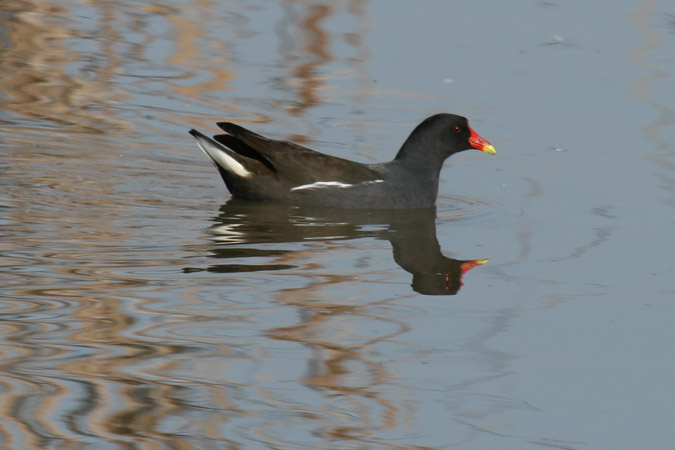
(141, 308)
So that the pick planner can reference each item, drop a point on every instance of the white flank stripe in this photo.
(221, 158)
(322, 184)
(325, 184)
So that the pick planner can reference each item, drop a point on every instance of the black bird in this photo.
(265, 170)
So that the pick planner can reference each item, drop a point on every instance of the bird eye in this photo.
(457, 129)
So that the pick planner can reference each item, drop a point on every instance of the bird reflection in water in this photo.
(411, 232)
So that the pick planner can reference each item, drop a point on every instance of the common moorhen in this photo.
(265, 170)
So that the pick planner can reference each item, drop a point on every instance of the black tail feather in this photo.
(237, 130)
(242, 149)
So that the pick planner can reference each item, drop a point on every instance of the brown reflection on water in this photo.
(190, 55)
(77, 255)
(38, 67)
(665, 157)
(121, 404)
(81, 68)
(81, 363)
(338, 352)
(104, 340)
(315, 43)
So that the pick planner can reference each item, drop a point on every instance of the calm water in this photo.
(140, 308)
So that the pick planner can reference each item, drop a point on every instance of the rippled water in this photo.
(140, 307)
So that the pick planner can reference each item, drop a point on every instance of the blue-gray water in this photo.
(141, 309)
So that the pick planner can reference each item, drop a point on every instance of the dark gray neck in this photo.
(422, 149)
(419, 156)
(416, 180)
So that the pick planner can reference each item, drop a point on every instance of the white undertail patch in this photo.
(220, 157)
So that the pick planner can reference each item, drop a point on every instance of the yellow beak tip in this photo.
(489, 149)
